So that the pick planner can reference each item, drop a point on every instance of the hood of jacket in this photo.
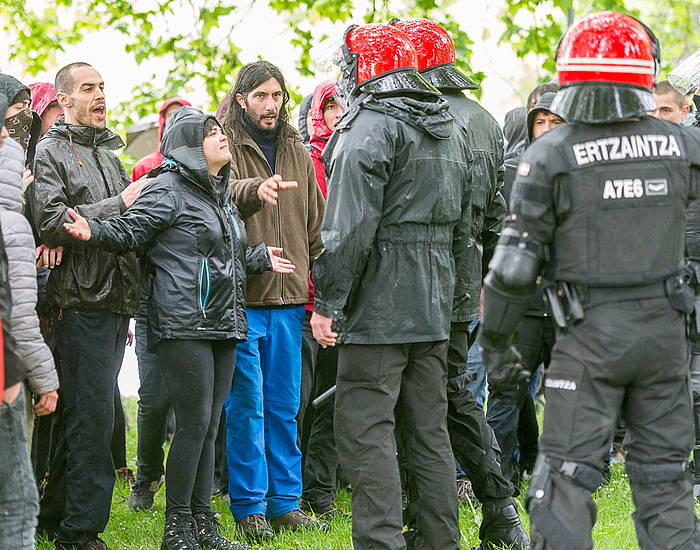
(89, 136)
(43, 95)
(304, 107)
(161, 113)
(11, 168)
(321, 132)
(10, 87)
(429, 114)
(183, 144)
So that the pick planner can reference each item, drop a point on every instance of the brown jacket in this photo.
(294, 224)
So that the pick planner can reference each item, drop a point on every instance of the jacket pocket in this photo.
(204, 286)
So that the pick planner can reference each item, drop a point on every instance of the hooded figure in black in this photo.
(473, 442)
(194, 243)
(398, 207)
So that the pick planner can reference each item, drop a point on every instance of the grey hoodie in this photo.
(19, 245)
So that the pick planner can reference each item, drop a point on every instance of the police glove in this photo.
(504, 369)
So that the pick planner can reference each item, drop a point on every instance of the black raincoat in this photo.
(489, 208)
(397, 213)
(193, 241)
(76, 168)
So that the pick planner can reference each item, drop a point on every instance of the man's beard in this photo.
(255, 119)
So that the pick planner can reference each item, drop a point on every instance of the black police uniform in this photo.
(604, 207)
(398, 195)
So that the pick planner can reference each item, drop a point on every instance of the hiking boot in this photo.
(501, 526)
(95, 544)
(208, 536)
(255, 528)
(179, 533)
(296, 519)
(142, 494)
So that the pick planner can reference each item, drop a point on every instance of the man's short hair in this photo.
(64, 78)
(664, 87)
(538, 91)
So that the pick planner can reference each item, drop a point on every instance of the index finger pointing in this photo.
(287, 185)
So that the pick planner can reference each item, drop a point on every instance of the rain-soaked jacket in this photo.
(321, 132)
(149, 162)
(76, 168)
(319, 138)
(398, 210)
(488, 205)
(193, 240)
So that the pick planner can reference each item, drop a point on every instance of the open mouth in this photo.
(99, 111)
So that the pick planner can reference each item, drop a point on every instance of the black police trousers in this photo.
(379, 386)
(630, 360)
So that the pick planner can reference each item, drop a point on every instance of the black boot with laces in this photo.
(180, 533)
(208, 536)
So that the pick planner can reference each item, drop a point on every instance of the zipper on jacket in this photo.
(204, 294)
(99, 167)
(234, 223)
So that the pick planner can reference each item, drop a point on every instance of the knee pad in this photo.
(570, 478)
(649, 474)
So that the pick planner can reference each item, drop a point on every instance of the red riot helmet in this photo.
(379, 59)
(436, 54)
(606, 64)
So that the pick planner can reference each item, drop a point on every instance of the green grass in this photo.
(129, 530)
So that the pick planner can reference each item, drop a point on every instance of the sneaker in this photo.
(208, 528)
(142, 494)
(296, 519)
(95, 544)
(255, 528)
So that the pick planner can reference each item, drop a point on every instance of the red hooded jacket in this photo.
(319, 138)
(149, 162)
(43, 94)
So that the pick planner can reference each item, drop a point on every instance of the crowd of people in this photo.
(307, 301)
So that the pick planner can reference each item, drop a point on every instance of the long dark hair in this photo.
(249, 77)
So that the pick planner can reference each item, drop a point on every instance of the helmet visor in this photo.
(448, 77)
(596, 103)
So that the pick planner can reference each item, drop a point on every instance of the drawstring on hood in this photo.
(72, 146)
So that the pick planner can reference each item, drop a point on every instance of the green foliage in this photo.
(201, 54)
(534, 27)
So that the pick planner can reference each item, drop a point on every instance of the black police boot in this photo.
(501, 526)
(179, 533)
(208, 536)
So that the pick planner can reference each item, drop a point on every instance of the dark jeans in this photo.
(309, 353)
(321, 462)
(78, 494)
(534, 342)
(378, 387)
(18, 497)
(153, 409)
(118, 445)
(197, 375)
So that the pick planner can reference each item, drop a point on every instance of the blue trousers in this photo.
(264, 461)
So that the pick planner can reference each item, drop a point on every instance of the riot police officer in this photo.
(600, 203)
(398, 207)
(473, 441)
